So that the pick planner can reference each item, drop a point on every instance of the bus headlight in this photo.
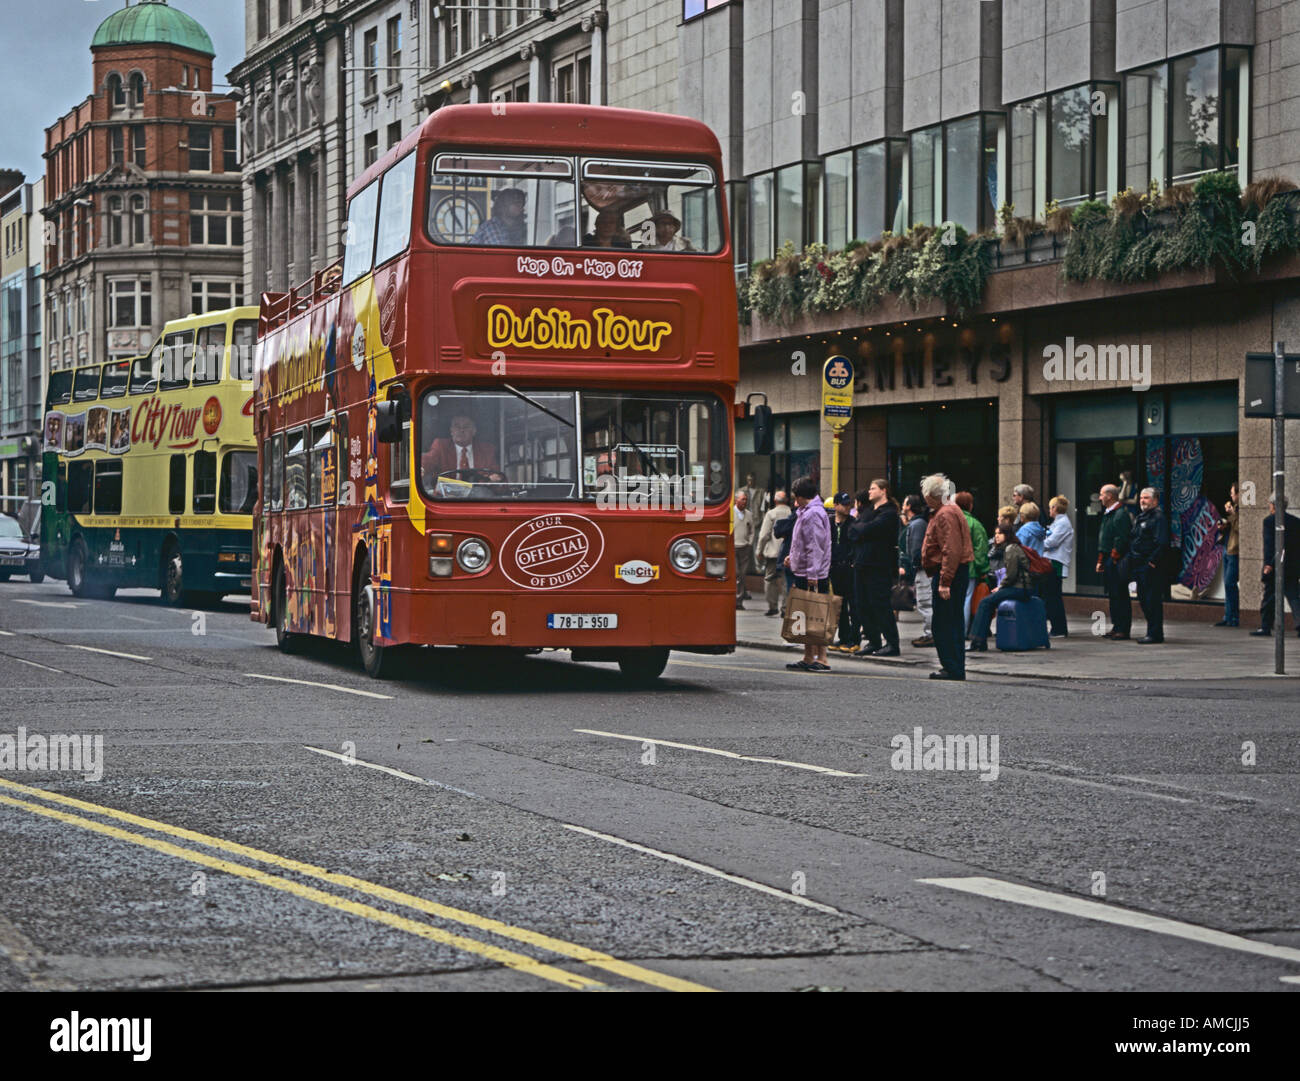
(716, 566)
(473, 555)
(685, 555)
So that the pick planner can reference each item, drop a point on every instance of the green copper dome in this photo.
(152, 21)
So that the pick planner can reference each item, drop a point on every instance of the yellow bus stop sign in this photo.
(837, 392)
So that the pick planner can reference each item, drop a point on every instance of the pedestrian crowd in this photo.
(934, 554)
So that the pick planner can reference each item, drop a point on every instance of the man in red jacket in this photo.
(460, 452)
(946, 555)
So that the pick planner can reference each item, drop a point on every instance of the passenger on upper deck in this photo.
(508, 224)
(666, 233)
(609, 232)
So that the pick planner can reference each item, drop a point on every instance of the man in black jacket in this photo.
(1148, 548)
(842, 572)
(1290, 561)
(875, 569)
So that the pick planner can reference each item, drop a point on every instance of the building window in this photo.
(83, 307)
(210, 295)
(513, 91)
(394, 134)
(263, 18)
(216, 220)
(1186, 117)
(67, 312)
(115, 146)
(116, 92)
(571, 79)
(285, 13)
(137, 90)
(955, 170)
(129, 303)
(863, 192)
(371, 148)
(114, 220)
(200, 142)
(138, 220)
(370, 54)
(1065, 146)
(394, 50)
(229, 151)
(1028, 169)
(138, 146)
(692, 9)
(762, 216)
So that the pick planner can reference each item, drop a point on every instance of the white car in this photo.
(18, 553)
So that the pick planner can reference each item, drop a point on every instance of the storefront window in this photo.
(955, 172)
(962, 174)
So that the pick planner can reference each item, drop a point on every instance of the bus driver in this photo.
(461, 452)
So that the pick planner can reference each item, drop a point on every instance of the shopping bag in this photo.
(810, 617)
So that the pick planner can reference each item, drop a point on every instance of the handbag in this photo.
(811, 617)
(902, 597)
(981, 591)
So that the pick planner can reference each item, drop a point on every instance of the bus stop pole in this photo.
(1279, 512)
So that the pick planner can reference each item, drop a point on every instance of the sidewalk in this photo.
(1191, 651)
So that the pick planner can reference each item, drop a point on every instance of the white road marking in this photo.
(704, 867)
(8, 634)
(326, 686)
(1290, 979)
(45, 666)
(1124, 917)
(389, 770)
(49, 604)
(1042, 773)
(108, 652)
(723, 754)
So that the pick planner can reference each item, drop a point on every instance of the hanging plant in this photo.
(1089, 224)
(1207, 229)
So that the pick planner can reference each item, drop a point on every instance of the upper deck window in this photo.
(651, 206)
(114, 382)
(359, 238)
(86, 386)
(502, 201)
(395, 210)
(507, 201)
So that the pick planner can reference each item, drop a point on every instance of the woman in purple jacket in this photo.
(810, 559)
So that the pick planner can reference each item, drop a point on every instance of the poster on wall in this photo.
(54, 431)
(74, 433)
(97, 428)
(1202, 552)
(120, 431)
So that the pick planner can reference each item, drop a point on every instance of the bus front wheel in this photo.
(284, 638)
(378, 661)
(641, 667)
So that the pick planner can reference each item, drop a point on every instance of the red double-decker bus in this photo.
(505, 420)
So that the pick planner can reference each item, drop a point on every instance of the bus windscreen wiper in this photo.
(538, 405)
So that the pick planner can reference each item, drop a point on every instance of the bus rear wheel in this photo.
(641, 667)
(284, 638)
(380, 662)
(77, 569)
(173, 576)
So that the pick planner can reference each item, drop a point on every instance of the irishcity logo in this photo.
(951, 753)
(36, 753)
(1081, 363)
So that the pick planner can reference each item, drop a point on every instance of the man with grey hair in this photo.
(1021, 493)
(946, 555)
(1147, 559)
(770, 547)
(1112, 547)
(1290, 560)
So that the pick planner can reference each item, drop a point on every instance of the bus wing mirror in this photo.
(388, 421)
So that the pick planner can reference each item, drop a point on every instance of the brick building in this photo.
(143, 217)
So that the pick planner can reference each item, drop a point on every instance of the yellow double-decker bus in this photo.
(150, 466)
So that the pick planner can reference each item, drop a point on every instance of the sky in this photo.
(46, 69)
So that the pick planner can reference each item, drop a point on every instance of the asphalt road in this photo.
(271, 821)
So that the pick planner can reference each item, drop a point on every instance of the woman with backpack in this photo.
(1015, 586)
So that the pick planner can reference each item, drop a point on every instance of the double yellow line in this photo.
(509, 958)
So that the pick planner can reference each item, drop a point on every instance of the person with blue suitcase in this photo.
(1015, 586)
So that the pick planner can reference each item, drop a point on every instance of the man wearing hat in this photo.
(667, 227)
